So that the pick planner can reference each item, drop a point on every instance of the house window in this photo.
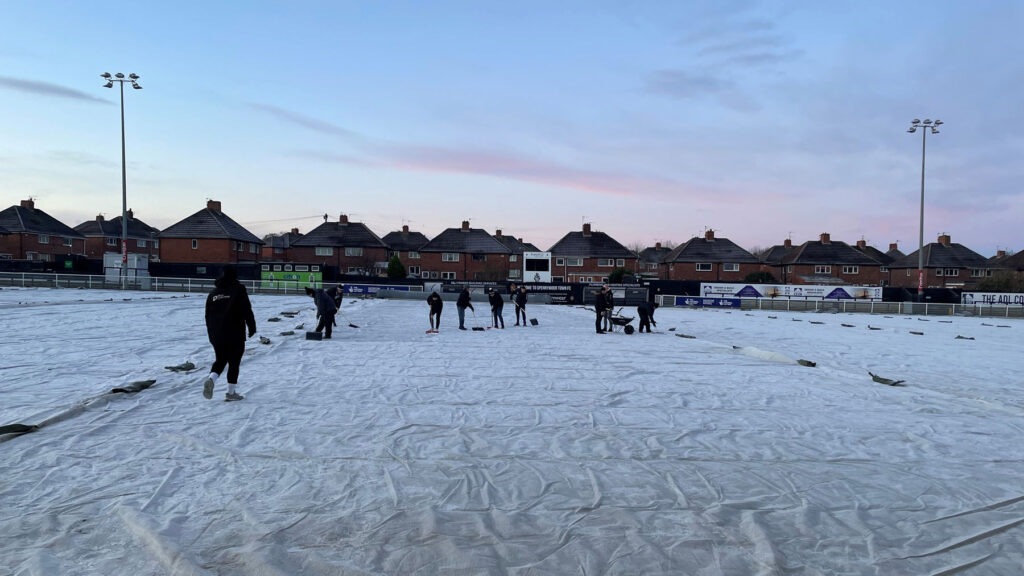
(703, 267)
(44, 239)
(883, 269)
(156, 243)
(414, 270)
(822, 269)
(620, 262)
(111, 241)
(938, 271)
(353, 270)
(789, 269)
(414, 255)
(515, 273)
(558, 279)
(302, 268)
(252, 248)
(287, 267)
(433, 275)
(574, 261)
(952, 271)
(908, 271)
(278, 250)
(449, 257)
(140, 243)
(731, 267)
(425, 275)
(355, 251)
(67, 241)
(513, 258)
(195, 244)
(324, 251)
(200, 269)
(447, 275)
(265, 267)
(606, 262)
(559, 261)
(277, 267)
(479, 257)
(980, 273)
(851, 269)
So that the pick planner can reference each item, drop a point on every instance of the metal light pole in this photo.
(925, 127)
(120, 79)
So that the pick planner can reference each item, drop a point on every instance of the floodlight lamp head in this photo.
(934, 131)
(912, 129)
(938, 122)
(119, 75)
(927, 122)
(136, 86)
(105, 75)
(133, 76)
(109, 84)
(916, 121)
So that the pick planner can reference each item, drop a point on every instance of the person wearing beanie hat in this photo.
(228, 314)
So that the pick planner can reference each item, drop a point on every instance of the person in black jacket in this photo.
(600, 303)
(228, 314)
(497, 303)
(461, 304)
(609, 308)
(337, 293)
(520, 300)
(646, 313)
(436, 305)
(325, 310)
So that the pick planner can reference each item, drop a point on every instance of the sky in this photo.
(653, 121)
(546, 449)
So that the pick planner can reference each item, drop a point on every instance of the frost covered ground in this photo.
(538, 450)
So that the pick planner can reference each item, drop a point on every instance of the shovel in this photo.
(478, 327)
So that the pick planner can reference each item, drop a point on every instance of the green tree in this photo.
(396, 270)
(762, 277)
(618, 275)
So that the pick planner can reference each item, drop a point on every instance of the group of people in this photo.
(494, 298)
(328, 302)
(604, 306)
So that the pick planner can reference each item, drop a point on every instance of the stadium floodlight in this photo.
(920, 239)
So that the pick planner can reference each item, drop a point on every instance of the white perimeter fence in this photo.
(867, 307)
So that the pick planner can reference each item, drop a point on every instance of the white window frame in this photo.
(822, 269)
(323, 251)
(287, 267)
(353, 270)
(302, 268)
(414, 270)
(883, 269)
(447, 275)
(195, 244)
(515, 273)
(730, 267)
(851, 269)
(414, 255)
(156, 243)
(952, 271)
(558, 279)
(789, 269)
(252, 248)
(353, 251)
(513, 258)
(140, 243)
(425, 275)
(938, 272)
(605, 262)
(705, 267)
(44, 238)
(620, 262)
(559, 261)
(68, 241)
(111, 241)
(449, 256)
(574, 262)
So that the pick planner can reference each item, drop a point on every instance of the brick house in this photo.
(102, 236)
(515, 259)
(588, 256)
(828, 262)
(465, 254)
(31, 234)
(710, 259)
(407, 246)
(209, 236)
(649, 262)
(946, 265)
(883, 258)
(277, 246)
(350, 246)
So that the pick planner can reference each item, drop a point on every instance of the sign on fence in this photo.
(991, 299)
(707, 302)
(791, 291)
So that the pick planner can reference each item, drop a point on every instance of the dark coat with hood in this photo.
(463, 301)
(436, 303)
(497, 302)
(324, 303)
(228, 311)
(521, 298)
(337, 293)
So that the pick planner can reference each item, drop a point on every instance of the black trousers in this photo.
(326, 322)
(433, 325)
(597, 322)
(520, 310)
(645, 320)
(231, 355)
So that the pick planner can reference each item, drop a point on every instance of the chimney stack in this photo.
(99, 217)
(465, 225)
(709, 235)
(343, 219)
(130, 214)
(892, 246)
(825, 238)
(405, 228)
(788, 243)
(295, 230)
(657, 245)
(586, 229)
(213, 205)
(30, 204)
(944, 239)
(862, 244)
(497, 233)
(1000, 253)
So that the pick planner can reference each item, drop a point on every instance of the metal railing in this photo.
(872, 307)
(146, 284)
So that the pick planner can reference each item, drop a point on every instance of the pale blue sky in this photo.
(652, 120)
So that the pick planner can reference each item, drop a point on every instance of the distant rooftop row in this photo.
(210, 236)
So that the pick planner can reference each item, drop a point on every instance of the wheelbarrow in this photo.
(624, 322)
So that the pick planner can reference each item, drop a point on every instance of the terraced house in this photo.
(407, 246)
(28, 233)
(588, 256)
(103, 236)
(946, 265)
(465, 254)
(710, 259)
(351, 247)
(208, 237)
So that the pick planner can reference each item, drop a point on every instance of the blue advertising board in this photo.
(707, 302)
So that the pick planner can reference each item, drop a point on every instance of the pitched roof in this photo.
(341, 234)
(710, 249)
(404, 241)
(587, 244)
(939, 255)
(831, 253)
(209, 222)
(466, 241)
(27, 219)
(875, 254)
(101, 227)
(654, 254)
(513, 244)
(1011, 262)
(776, 254)
(281, 240)
(895, 254)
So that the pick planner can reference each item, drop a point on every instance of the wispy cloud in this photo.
(304, 121)
(47, 89)
(685, 85)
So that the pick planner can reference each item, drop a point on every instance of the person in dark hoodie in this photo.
(325, 310)
(520, 300)
(461, 304)
(337, 293)
(609, 308)
(436, 306)
(497, 304)
(600, 303)
(646, 313)
(228, 314)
